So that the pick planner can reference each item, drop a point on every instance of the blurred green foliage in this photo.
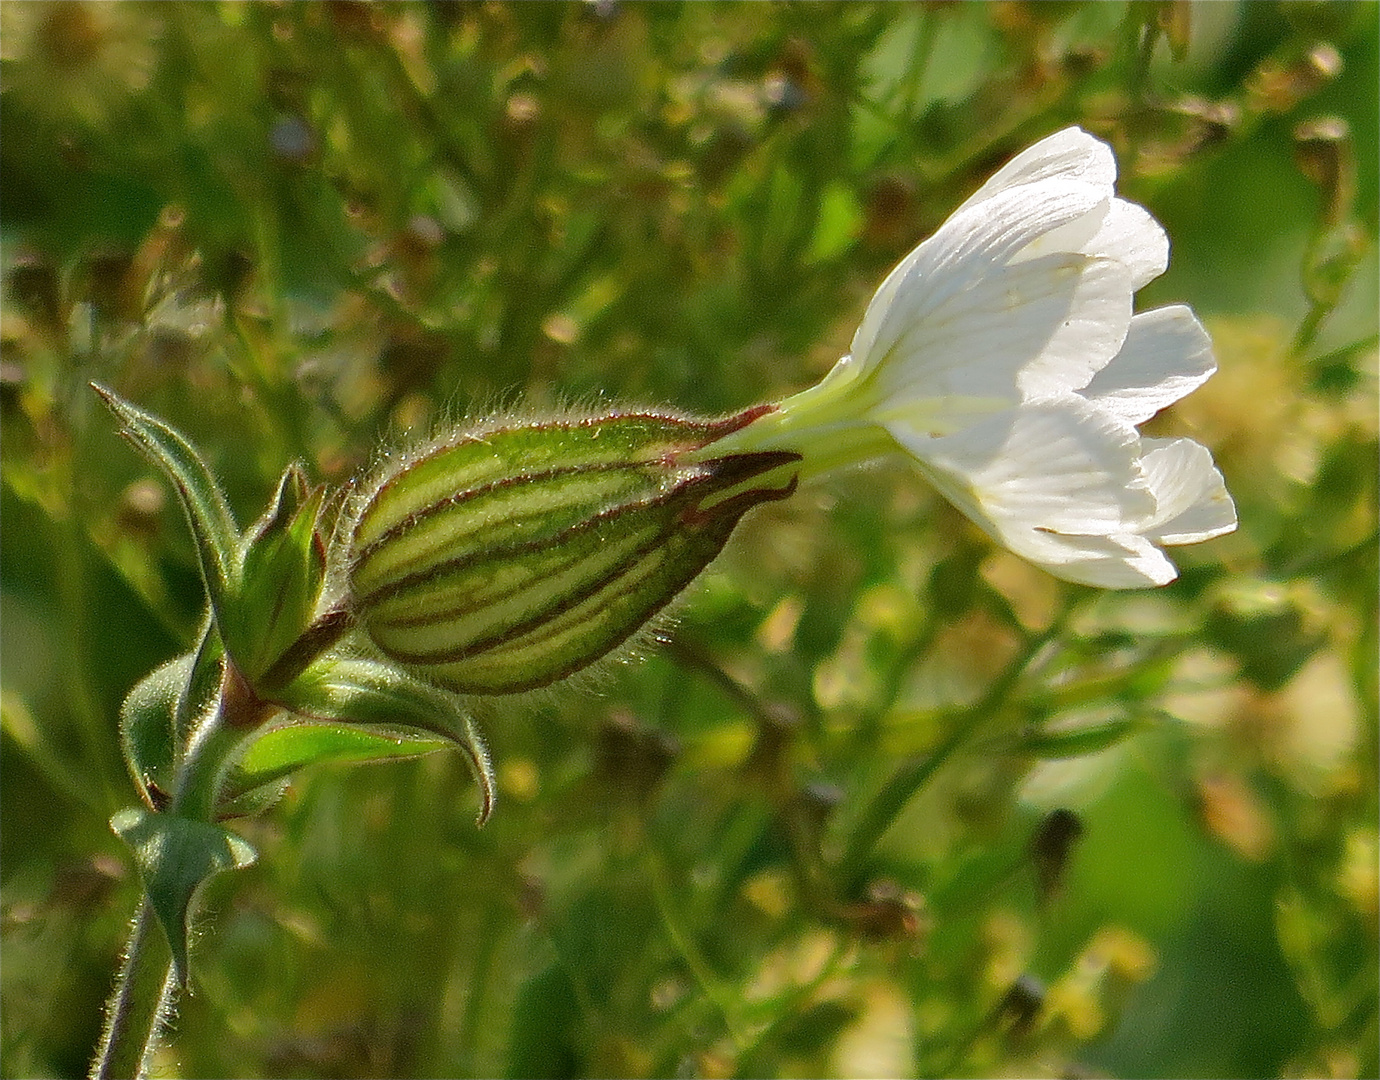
(891, 803)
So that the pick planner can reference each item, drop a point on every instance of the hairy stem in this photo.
(141, 1002)
(147, 983)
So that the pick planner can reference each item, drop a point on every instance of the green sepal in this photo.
(256, 779)
(489, 457)
(365, 693)
(175, 855)
(213, 527)
(284, 567)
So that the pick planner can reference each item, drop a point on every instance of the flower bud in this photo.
(1324, 153)
(513, 556)
(282, 574)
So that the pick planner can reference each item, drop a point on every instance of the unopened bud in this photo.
(270, 631)
(1051, 847)
(513, 556)
(1280, 82)
(1323, 151)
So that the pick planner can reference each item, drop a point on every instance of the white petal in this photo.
(1089, 337)
(965, 249)
(1037, 329)
(1071, 153)
(1167, 354)
(1002, 354)
(1191, 500)
(1124, 232)
(1131, 236)
(1127, 232)
(1040, 477)
(1124, 561)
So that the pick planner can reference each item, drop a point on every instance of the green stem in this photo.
(1308, 329)
(842, 420)
(709, 983)
(887, 804)
(147, 983)
(141, 1002)
(211, 745)
(908, 96)
(820, 423)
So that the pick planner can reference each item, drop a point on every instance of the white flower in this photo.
(1002, 354)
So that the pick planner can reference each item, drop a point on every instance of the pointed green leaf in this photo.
(204, 683)
(175, 855)
(157, 715)
(292, 491)
(278, 752)
(147, 722)
(213, 528)
(367, 693)
(1075, 740)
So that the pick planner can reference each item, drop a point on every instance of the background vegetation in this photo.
(892, 802)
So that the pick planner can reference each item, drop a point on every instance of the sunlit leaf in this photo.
(839, 223)
(362, 692)
(213, 527)
(281, 751)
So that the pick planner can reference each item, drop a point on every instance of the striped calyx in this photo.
(513, 556)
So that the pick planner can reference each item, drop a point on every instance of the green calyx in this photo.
(514, 556)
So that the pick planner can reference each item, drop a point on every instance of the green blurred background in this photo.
(891, 802)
